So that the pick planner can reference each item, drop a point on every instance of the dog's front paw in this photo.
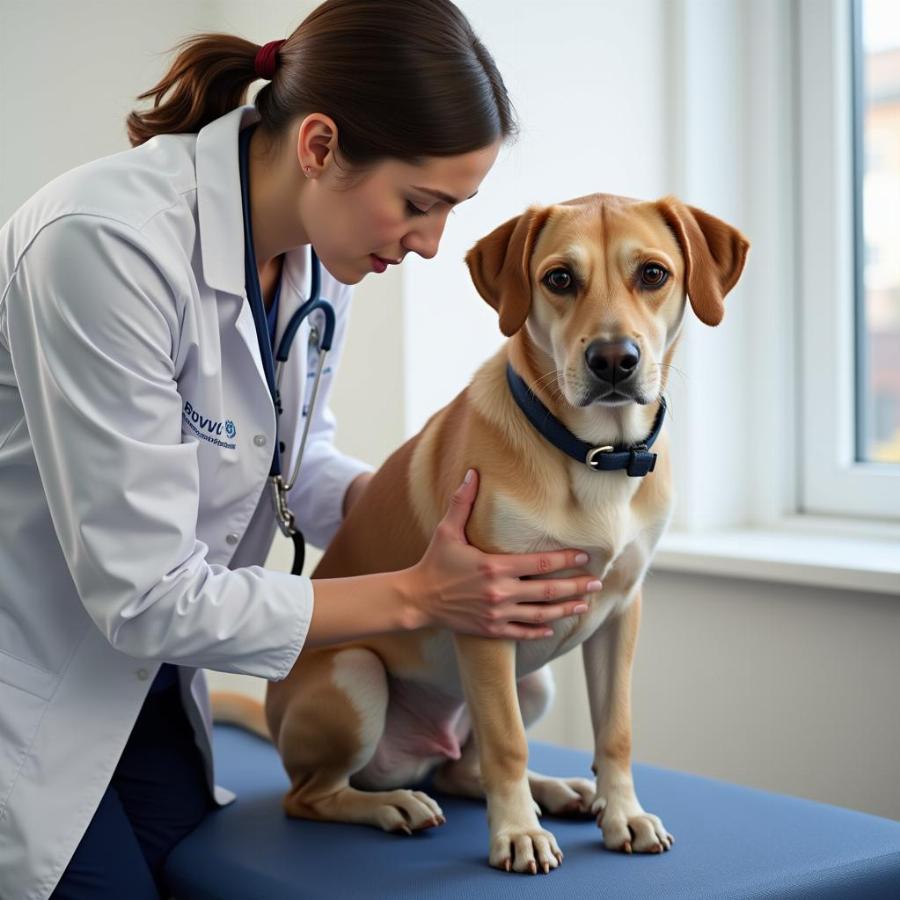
(525, 850)
(627, 828)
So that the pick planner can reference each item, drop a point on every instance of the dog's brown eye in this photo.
(653, 275)
(559, 281)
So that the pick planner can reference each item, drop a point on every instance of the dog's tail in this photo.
(239, 709)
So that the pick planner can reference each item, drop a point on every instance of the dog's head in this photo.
(600, 285)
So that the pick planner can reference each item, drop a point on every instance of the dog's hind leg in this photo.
(557, 796)
(328, 730)
(462, 777)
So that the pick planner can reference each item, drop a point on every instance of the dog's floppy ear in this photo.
(499, 266)
(714, 255)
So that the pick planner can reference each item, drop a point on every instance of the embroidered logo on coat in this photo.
(208, 429)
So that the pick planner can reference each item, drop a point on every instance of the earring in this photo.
(308, 170)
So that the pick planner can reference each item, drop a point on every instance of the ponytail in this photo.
(209, 78)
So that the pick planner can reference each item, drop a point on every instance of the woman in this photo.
(139, 422)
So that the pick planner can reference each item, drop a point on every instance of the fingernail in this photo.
(469, 474)
(582, 558)
(594, 585)
(582, 607)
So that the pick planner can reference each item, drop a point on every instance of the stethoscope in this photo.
(273, 368)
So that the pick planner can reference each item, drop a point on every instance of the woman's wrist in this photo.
(348, 608)
(414, 614)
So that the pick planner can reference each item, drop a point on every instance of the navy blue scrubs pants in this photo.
(157, 795)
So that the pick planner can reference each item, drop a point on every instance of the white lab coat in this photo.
(136, 434)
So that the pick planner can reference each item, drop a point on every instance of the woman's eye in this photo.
(414, 210)
(653, 275)
(560, 281)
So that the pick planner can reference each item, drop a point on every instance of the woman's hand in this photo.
(457, 586)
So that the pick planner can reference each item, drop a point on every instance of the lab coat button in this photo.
(232, 538)
(259, 440)
(142, 674)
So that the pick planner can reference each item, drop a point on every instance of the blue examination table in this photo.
(731, 842)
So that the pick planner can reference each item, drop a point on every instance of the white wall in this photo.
(69, 74)
(783, 687)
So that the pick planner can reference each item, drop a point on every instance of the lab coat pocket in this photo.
(25, 691)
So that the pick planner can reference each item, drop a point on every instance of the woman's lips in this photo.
(379, 263)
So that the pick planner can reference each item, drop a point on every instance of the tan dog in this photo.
(591, 294)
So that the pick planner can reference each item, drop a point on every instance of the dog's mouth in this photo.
(615, 398)
(612, 398)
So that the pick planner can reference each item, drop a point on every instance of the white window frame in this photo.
(739, 122)
(832, 482)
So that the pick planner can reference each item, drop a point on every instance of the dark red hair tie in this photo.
(266, 62)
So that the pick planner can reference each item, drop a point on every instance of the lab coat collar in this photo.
(219, 200)
(219, 207)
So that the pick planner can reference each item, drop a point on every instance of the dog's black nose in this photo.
(613, 361)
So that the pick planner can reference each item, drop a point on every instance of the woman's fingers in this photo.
(525, 632)
(523, 565)
(531, 607)
(549, 590)
(539, 592)
(532, 620)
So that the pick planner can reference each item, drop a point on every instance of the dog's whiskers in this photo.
(549, 381)
(672, 368)
(551, 386)
(547, 375)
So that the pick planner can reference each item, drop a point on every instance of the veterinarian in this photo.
(139, 424)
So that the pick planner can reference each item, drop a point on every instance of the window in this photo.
(876, 129)
(849, 214)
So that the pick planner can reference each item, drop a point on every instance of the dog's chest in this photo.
(594, 515)
(603, 525)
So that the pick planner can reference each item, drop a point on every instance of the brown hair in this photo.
(401, 78)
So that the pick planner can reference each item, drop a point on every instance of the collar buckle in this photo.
(592, 454)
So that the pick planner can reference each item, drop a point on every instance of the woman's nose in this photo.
(425, 240)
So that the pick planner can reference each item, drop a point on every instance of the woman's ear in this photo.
(500, 266)
(714, 255)
(317, 139)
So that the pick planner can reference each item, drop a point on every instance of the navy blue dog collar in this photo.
(636, 460)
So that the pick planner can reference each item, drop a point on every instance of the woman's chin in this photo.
(350, 275)
(346, 272)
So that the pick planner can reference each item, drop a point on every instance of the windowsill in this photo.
(800, 550)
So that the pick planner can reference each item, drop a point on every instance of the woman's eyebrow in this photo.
(441, 195)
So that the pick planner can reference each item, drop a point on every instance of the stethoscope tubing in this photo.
(323, 347)
(273, 367)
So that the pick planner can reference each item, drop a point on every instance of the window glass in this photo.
(877, 220)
